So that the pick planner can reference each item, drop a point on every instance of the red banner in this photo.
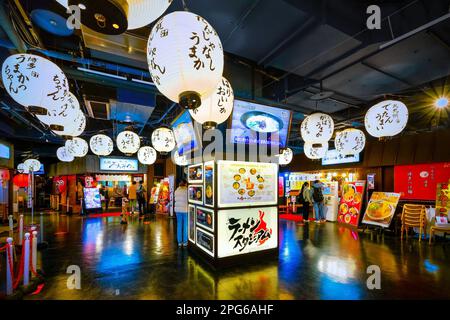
(60, 184)
(351, 202)
(419, 182)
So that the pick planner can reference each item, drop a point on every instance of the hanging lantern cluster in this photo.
(163, 140)
(147, 155)
(101, 145)
(350, 142)
(77, 147)
(185, 58)
(63, 155)
(315, 152)
(386, 119)
(285, 156)
(128, 142)
(316, 130)
(217, 108)
(180, 160)
(22, 169)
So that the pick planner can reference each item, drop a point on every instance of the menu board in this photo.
(351, 202)
(205, 241)
(246, 183)
(195, 173)
(92, 198)
(205, 218)
(191, 223)
(442, 197)
(209, 183)
(195, 194)
(247, 230)
(381, 208)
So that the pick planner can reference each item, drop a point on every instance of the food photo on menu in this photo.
(351, 202)
(381, 208)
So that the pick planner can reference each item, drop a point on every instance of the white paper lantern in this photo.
(74, 128)
(286, 156)
(317, 128)
(22, 168)
(33, 81)
(163, 140)
(61, 117)
(128, 142)
(386, 119)
(180, 160)
(101, 145)
(185, 58)
(147, 155)
(216, 108)
(313, 152)
(64, 155)
(32, 164)
(144, 12)
(350, 142)
(77, 147)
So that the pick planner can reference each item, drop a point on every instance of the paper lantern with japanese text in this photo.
(163, 140)
(77, 147)
(317, 128)
(313, 152)
(60, 117)
(350, 142)
(185, 58)
(128, 142)
(32, 165)
(63, 155)
(216, 108)
(22, 169)
(285, 156)
(386, 119)
(147, 155)
(101, 145)
(144, 12)
(180, 160)
(34, 82)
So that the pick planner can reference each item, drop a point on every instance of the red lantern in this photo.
(21, 180)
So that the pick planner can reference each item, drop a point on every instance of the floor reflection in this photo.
(141, 261)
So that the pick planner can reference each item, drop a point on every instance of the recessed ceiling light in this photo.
(81, 6)
(115, 26)
(441, 103)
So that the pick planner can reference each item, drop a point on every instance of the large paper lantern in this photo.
(313, 152)
(185, 58)
(285, 156)
(180, 160)
(147, 155)
(63, 155)
(317, 128)
(75, 127)
(77, 147)
(32, 164)
(163, 140)
(143, 12)
(350, 142)
(101, 145)
(61, 117)
(386, 119)
(21, 180)
(128, 142)
(34, 82)
(216, 108)
(22, 169)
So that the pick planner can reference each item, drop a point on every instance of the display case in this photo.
(233, 212)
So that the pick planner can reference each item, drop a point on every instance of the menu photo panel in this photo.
(381, 208)
(195, 173)
(195, 194)
(351, 202)
(205, 218)
(205, 241)
(191, 223)
(209, 172)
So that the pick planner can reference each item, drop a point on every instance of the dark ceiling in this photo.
(279, 52)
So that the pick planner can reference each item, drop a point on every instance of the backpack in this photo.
(301, 199)
(317, 194)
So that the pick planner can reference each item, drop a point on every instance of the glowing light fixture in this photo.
(350, 142)
(180, 160)
(386, 119)
(286, 156)
(441, 103)
(144, 12)
(128, 142)
(163, 139)
(313, 152)
(101, 145)
(63, 155)
(32, 164)
(147, 155)
(317, 128)
(77, 147)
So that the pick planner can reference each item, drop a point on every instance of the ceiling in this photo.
(280, 52)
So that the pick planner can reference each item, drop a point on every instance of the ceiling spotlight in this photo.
(81, 6)
(115, 26)
(441, 103)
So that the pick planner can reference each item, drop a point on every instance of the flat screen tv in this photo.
(186, 135)
(253, 123)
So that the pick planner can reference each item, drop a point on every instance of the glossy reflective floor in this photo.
(142, 261)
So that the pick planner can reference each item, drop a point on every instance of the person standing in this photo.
(317, 197)
(305, 196)
(105, 193)
(142, 198)
(181, 210)
(124, 219)
(132, 197)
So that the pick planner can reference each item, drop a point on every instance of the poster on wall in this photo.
(418, 182)
(371, 181)
(205, 218)
(247, 230)
(92, 198)
(205, 241)
(60, 184)
(191, 223)
(351, 202)
(280, 186)
(442, 197)
(381, 209)
(195, 173)
(241, 183)
(209, 183)
(195, 194)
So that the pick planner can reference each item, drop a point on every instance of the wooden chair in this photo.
(433, 229)
(413, 216)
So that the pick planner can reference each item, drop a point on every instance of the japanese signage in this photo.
(418, 182)
(381, 209)
(205, 218)
(442, 197)
(191, 223)
(247, 230)
(334, 157)
(205, 241)
(209, 184)
(247, 183)
(351, 202)
(60, 184)
(118, 164)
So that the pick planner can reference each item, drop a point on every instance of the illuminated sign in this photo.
(4, 151)
(118, 164)
(334, 157)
